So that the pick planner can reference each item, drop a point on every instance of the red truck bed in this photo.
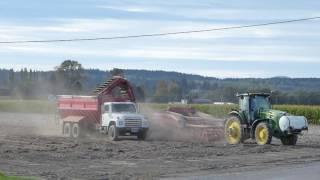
(78, 107)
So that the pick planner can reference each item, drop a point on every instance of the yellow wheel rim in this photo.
(233, 131)
(261, 135)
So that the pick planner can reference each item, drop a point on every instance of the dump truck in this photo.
(256, 120)
(112, 110)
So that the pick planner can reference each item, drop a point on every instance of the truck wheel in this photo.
(113, 133)
(290, 140)
(263, 133)
(75, 130)
(66, 129)
(233, 131)
(142, 135)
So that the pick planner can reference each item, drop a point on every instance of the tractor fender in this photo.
(255, 123)
(240, 115)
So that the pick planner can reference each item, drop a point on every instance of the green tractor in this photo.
(255, 119)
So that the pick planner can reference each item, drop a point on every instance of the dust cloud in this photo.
(163, 127)
(28, 124)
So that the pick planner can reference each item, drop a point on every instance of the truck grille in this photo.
(133, 123)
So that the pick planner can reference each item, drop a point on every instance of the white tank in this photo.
(295, 122)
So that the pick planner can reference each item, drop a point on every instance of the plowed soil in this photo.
(30, 145)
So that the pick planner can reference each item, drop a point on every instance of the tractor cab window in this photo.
(260, 102)
(244, 103)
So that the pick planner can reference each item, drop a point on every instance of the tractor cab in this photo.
(253, 103)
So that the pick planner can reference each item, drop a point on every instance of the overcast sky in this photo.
(280, 50)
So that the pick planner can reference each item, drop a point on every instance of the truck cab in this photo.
(123, 119)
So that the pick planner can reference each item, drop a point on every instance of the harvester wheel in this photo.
(75, 130)
(263, 133)
(290, 140)
(233, 130)
(67, 129)
(113, 133)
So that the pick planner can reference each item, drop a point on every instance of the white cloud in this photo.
(186, 53)
(134, 9)
(268, 44)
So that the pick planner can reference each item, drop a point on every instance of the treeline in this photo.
(154, 86)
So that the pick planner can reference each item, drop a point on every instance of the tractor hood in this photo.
(272, 114)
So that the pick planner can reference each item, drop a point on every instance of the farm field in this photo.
(31, 145)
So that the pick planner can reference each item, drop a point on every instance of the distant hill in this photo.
(189, 85)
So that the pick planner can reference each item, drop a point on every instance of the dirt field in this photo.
(30, 146)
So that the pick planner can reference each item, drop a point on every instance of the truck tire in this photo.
(233, 131)
(290, 140)
(75, 130)
(66, 129)
(263, 133)
(142, 135)
(113, 133)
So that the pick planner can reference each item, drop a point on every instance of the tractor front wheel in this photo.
(233, 131)
(263, 133)
(290, 140)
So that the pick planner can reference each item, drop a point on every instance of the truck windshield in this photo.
(260, 102)
(124, 108)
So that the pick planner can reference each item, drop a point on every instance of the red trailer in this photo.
(81, 113)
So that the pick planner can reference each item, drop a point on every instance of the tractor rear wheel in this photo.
(290, 140)
(233, 131)
(113, 133)
(66, 129)
(263, 133)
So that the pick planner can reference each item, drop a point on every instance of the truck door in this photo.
(105, 114)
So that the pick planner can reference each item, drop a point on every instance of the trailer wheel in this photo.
(290, 140)
(263, 133)
(76, 130)
(67, 129)
(113, 133)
